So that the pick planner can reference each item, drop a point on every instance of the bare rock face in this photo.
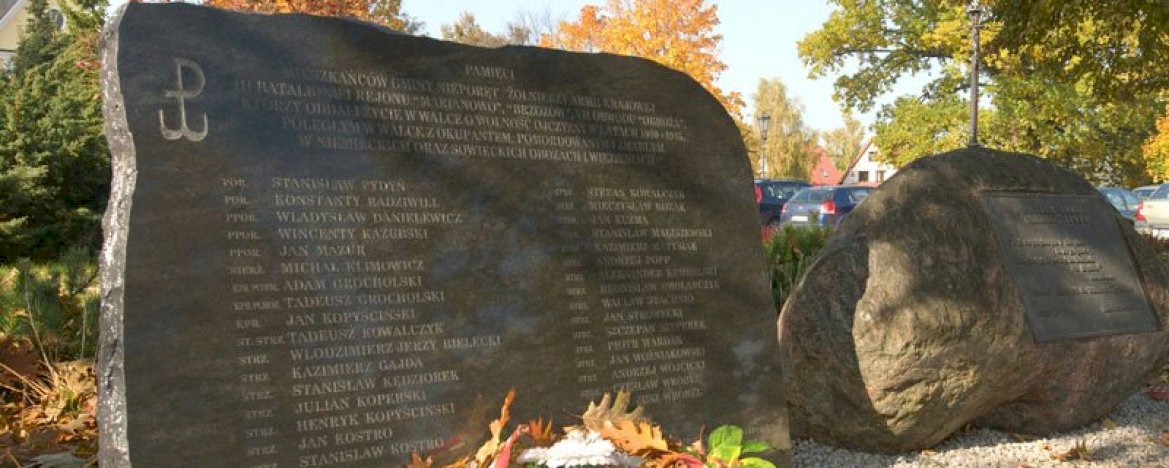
(974, 287)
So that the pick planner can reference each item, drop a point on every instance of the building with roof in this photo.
(866, 170)
(824, 172)
(13, 17)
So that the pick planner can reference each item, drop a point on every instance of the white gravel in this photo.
(1131, 436)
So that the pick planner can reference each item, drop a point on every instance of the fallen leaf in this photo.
(416, 461)
(636, 438)
(611, 410)
(492, 445)
(541, 432)
(1164, 438)
(928, 453)
(503, 458)
(1157, 393)
(1077, 452)
(675, 460)
(19, 363)
(1109, 423)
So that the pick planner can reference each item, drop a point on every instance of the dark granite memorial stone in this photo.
(328, 244)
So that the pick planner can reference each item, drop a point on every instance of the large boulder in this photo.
(923, 313)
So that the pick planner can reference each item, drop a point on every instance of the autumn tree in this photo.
(466, 30)
(675, 33)
(1047, 96)
(844, 143)
(787, 147)
(1156, 150)
(386, 12)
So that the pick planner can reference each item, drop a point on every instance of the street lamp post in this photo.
(762, 121)
(975, 14)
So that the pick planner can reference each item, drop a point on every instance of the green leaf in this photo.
(753, 462)
(728, 435)
(756, 446)
(727, 453)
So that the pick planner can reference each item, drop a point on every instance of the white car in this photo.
(1152, 216)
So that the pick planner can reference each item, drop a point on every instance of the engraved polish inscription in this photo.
(367, 250)
(1069, 262)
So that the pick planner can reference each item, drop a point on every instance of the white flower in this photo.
(580, 448)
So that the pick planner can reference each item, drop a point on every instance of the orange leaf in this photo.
(541, 432)
(492, 445)
(416, 461)
(635, 438)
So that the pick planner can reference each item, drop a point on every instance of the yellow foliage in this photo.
(1156, 150)
(675, 33)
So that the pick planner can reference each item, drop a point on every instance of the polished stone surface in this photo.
(343, 245)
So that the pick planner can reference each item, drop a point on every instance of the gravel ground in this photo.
(1131, 436)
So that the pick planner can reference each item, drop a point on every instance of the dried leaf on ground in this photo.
(612, 409)
(635, 438)
(1077, 452)
(1164, 438)
(1157, 393)
(492, 445)
(19, 363)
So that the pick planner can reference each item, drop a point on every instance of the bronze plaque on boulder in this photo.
(1071, 266)
(341, 245)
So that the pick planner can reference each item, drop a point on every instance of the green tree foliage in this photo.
(467, 31)
(788, 144)
(1118, 48)
(54, 162)
(844, 143)
(37, 44)
(1074, 81)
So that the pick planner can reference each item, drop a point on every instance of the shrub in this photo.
(48, 331)
(1161, 246)
(789, 252)
(53, 305)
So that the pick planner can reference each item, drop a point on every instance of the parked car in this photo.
(1152, 216)
(823, 206)
(1123, 200)
(772, 194)
(1144, 192)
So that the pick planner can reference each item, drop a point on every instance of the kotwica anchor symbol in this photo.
(182, 94)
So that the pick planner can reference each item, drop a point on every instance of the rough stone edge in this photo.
(114, 447)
